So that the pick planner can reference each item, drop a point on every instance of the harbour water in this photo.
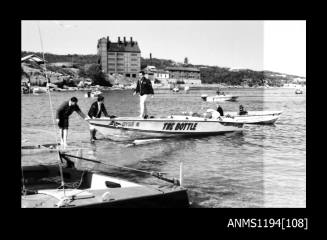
(265, 166)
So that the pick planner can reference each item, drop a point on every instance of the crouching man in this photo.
(95, 112)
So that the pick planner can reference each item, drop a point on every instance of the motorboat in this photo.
(37, 90)
(127, 128)
(298, 91)
(175, 89)
(254, 117)
(95, 93)
(219, 98)
(66, 186)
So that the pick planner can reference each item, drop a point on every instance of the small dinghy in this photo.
(127, 128)
(51, 186)
(219, 98)
(254, 117)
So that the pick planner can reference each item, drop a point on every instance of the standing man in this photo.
(95, 112)
(62, 117)
(144, 88)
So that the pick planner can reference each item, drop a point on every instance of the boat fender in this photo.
(106, 197)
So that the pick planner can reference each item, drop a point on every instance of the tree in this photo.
(98, 77)
(82, 73)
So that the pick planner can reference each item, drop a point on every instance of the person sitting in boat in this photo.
(144, 88)
(242, 111)
(220, 110)
(95, 112)
(211, 114)
(62, 117)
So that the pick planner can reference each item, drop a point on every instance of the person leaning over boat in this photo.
(62, 117)
(144, 88)
(95, 112)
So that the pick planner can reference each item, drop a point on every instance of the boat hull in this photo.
(137, 128)
(219, 98)
(255, 117)
(40, 90)
(95, 189)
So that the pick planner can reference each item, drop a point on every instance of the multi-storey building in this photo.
(186, 74)
(121, 57)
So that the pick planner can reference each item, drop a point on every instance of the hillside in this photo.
(209, 74)
(73, 58)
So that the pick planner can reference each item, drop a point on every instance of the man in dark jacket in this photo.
(95, 112)
(144, 88)
(62, 117)
(242, 111)
(220, 110)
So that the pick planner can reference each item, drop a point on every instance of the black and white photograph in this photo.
(163, 114)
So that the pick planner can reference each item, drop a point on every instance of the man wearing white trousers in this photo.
(144, 88)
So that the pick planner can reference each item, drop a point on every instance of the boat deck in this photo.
(138, 196)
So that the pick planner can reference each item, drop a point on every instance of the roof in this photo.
(32, 57)
(161, 71)
(128, 47)
(185, 69)
(121, 47)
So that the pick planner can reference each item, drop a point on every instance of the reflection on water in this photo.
(262, 167)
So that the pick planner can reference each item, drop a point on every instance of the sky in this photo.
(259, 45)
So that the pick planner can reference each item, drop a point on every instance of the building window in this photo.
(134, 75)
(128, 75)
(133, 54)
(134, 59)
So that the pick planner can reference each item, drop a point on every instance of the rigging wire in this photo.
(51, 109)
(152, 173)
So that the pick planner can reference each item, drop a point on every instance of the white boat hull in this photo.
(40, 90)
(254, 117)
(219, 98)
(127, 128)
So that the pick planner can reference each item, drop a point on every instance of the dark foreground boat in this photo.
(52, 186)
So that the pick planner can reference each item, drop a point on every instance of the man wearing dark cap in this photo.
(62, 117)
(95, 112)
(144, 88)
